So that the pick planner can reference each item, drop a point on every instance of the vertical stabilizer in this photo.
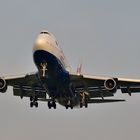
(79, 69)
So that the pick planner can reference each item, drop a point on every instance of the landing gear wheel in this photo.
(86, 104)
(31, 104)
(51, 104)
(81, 105)
(31, 98)
(71, 106)
(54, 105)
(33, 101)
(36, 104)
(67, 106)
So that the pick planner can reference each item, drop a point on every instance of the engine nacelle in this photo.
(3, 85)
(110, 85)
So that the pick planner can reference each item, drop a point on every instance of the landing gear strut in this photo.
(43, 68)
(33, 102)
(84, 97)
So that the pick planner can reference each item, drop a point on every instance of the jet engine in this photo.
(3, 85)
(110, 85)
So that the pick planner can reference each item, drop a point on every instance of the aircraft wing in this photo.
(30, 85)
(26, 85)
(104, 86)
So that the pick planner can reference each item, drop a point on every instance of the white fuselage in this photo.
(47, 42)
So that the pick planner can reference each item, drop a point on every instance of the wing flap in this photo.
(95, 92)
(129, 85)
(28, 92)
(130, 89)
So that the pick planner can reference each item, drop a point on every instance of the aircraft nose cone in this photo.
(39, 44)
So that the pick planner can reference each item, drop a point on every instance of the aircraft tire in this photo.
(54, 105)
(36, 104)
(49, 105)
(71, 106)
(86, 104)
(81, 105)
(67, 106)
(31, 98)
(31, 104)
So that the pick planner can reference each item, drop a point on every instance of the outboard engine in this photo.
(111, 85)
(3, 85)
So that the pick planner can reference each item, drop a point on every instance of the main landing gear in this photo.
(84, 99)
(51, 104)
(69, 104)
(33, 102)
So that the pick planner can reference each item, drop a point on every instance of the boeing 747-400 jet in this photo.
(54, 82)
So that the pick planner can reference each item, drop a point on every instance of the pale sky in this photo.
(105, 34)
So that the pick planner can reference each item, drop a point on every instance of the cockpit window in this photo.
(44, 33)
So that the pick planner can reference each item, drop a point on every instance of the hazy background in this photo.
(104, 33)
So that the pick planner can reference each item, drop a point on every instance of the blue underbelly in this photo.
(44, 56)
(54, 67)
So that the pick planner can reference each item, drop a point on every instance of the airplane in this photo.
(55, 82)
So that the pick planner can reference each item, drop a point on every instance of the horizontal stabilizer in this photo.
(105, 100)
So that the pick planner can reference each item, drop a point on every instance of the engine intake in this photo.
(3, 85)
(110, 84)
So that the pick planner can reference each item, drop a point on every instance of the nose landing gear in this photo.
(43, 68)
